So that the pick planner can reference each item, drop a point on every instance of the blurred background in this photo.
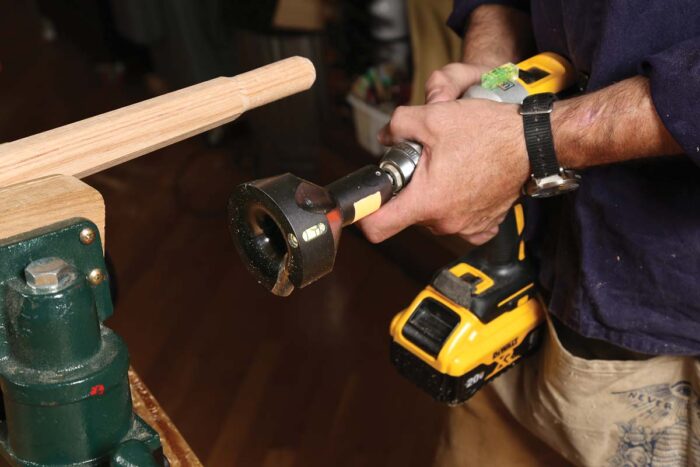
(250, 379)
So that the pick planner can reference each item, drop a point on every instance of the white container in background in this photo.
(368, 121)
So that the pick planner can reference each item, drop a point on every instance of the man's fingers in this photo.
(391, 219)
(490, 231)
(406, 124)
(481, 237)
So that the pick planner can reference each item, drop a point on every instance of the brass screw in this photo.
(87, 236)
(96, 276)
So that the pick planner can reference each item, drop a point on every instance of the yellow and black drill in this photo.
(477, 318)
(479, 315)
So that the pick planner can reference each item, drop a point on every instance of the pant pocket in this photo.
(609, 412)
(560, 356)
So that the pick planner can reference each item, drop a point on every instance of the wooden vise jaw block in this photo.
(38, 203)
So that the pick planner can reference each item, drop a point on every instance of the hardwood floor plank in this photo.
(279, 458)
(244, 408)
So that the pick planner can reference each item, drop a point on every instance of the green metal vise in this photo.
(63, 374)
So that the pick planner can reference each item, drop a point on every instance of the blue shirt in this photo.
(620, 257)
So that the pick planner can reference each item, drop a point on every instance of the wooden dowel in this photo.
(100, 142)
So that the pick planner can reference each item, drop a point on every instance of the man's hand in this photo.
(474, 160)
(495, 35)
(451, 81)
(473, 166)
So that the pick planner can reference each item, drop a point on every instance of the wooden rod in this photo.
(103, 141)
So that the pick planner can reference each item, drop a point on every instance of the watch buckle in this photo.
(552, 185)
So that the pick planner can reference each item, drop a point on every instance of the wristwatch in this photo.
(548, 178)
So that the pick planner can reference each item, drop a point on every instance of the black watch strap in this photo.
(538, 134)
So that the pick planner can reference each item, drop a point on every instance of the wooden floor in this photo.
(250, 379)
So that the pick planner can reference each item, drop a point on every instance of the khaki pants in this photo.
(558, 409)
(433, 44)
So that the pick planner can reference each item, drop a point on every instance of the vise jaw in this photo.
(63, 374)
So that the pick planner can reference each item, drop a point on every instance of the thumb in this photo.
(407, 124)
(451, 81)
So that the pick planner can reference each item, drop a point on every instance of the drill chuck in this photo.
(400, 161)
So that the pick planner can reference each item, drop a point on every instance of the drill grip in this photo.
(507, 247)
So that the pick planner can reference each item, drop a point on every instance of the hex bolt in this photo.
(50, 274)
(96, 276)
(292, 239)
(87, 236)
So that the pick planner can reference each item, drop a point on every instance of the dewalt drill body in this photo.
(476, 319)
(479, 315)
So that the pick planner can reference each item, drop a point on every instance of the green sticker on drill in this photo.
(499, 76)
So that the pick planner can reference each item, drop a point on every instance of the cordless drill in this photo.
(480, 314)
(477, 317)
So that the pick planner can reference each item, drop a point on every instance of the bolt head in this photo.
(87, 236)
(292, 239)
(49, 275)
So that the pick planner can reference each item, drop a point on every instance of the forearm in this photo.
(615, 124)
(497, 34)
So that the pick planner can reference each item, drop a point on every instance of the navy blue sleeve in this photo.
(463, 8)
(674, 75)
